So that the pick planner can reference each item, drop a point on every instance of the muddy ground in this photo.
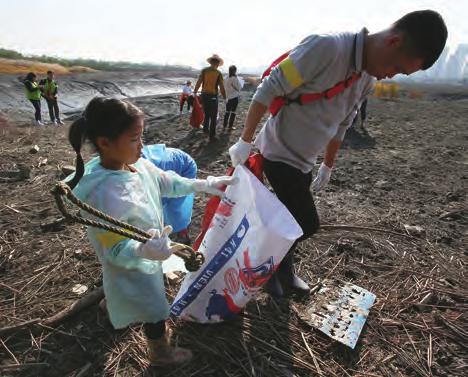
(76, 90)
(406, 174)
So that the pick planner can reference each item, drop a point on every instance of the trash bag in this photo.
(248, 237)
(177, 211)
(197, 116)
(255, 164)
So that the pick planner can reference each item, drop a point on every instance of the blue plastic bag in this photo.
(177, 211)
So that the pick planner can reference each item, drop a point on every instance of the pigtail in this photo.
(102, 117)
(76, 137)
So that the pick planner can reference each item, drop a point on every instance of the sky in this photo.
(247, 33)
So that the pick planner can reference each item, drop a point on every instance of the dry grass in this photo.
(80, 69)
(417, 327)
(25, 66)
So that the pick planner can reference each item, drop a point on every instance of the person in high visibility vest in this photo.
(49, 92)
(33, 93)
(291, 141)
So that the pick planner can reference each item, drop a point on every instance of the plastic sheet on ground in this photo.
(340, 311)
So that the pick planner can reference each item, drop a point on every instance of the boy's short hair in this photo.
(425, 34)
(50, 72)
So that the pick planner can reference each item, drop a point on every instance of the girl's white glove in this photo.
(322, 178)
(158, 247)
(213, 185)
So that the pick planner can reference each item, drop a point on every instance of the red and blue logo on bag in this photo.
(216, 264)
(249, 278)
(254, 277)
(231, 279)
(221, 305)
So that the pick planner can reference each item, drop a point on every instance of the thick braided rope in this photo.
(193, 260)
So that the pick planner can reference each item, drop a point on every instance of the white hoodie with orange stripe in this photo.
(298, 133)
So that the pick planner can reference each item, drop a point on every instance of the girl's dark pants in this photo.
(154, 330)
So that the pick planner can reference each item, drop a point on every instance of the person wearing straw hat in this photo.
(210, 80)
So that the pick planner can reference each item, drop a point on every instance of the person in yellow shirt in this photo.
(210, 80)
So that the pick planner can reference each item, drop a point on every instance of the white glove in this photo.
(322, 178)
(213, 185)
(239, 152)
(158, 247)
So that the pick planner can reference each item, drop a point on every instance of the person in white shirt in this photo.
(186, 96)
(233, 86)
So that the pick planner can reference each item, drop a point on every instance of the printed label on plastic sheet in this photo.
(340, 311)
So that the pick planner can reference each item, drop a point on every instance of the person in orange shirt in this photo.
(210, 80)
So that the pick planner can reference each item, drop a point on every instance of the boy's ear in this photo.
(394, 40)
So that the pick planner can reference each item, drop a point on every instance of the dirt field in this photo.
(407, 175)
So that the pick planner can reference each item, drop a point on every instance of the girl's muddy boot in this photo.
(160, 352)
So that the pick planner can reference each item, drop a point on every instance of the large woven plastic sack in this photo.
(255, 164)
(248, 237)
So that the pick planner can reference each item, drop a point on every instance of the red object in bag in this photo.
(279, 102)
(183, 96)
(255, 164)
(198, 115)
